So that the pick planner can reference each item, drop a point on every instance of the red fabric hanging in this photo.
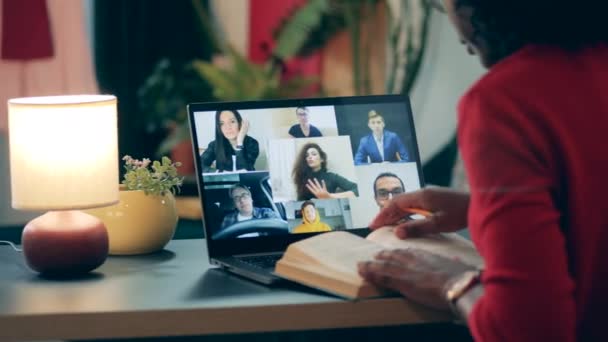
(264, 16)
(26, 30)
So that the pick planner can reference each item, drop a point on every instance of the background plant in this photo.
(314, 23)
(154, 178)
(303, 31)
(230, 76)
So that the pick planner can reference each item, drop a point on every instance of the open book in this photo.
(329, 261)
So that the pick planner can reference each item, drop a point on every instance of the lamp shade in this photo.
(63, 152)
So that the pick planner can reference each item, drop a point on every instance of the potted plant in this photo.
(145, 218)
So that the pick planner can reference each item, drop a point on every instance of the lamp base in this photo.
(65, 243)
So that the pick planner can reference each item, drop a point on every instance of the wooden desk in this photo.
(172, 293)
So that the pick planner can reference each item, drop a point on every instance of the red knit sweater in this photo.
(534, 138)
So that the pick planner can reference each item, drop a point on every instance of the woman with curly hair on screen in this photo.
(530, 132)
(312, 180)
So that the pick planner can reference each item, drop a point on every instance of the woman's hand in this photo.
(318, 189)
(418, 275)
(448, 207)
(240, 138)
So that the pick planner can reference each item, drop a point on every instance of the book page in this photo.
(449, 245)
(339, 251)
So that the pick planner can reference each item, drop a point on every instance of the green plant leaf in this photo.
(157, 179)
(295, 85)
(295, 32)
(220, 80)
(179, 134)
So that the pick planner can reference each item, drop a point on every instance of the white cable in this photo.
(10, 244)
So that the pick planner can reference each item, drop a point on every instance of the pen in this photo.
(422, 212)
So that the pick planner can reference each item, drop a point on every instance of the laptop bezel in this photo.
(230, 247)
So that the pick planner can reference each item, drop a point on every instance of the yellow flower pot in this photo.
(139, 223)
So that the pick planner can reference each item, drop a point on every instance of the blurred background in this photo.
(156, 56)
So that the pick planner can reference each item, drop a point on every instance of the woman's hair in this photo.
(223, 149)
(301, 172)
(506, 26)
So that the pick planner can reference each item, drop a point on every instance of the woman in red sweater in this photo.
(531, 133)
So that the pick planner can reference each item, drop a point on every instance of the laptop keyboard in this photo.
(261, 261)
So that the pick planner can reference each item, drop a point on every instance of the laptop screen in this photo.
(283, 170)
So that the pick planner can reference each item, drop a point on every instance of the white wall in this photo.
(232, 19)
(447, 72)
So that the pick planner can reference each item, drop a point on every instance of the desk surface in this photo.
(174, 292)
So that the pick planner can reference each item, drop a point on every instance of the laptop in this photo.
(274, 172)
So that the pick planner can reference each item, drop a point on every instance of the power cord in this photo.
(11, 244)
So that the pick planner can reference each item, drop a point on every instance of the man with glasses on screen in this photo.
(386, 186)
(241, 196)
(303, 129)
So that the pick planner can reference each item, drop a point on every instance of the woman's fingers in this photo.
(245, 126)
(311, 186)
(397, 209)
(314, 187)
(386, 274)
(401, 256)
(420, 275)
(317, 184)
(448, 212)
(418, 228)
(387, 216)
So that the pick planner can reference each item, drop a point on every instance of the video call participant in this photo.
(312, 180)
(241, 196)
(386, 186)
(303, 129)
(231, 144)
(381, 145)
(311, 220)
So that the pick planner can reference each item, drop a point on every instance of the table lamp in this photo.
(64, 157)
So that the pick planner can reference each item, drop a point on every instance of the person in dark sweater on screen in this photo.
(303, 129)
(313, 180)
(232, 149)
